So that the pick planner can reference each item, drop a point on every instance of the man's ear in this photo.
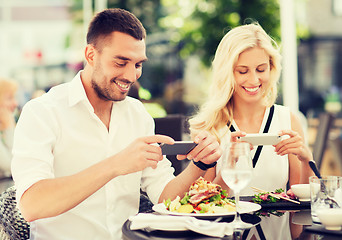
(90, 54)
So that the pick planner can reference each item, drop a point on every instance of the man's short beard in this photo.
(100, 92)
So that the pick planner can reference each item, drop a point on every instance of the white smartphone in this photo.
(179, 148)
(261, 139)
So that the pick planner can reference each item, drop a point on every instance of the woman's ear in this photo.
(90, 54)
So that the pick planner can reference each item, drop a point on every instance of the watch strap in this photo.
(203, 166)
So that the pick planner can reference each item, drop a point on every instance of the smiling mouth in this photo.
(123, 86)
(252, 89)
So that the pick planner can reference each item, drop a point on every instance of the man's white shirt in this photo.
(59, 135)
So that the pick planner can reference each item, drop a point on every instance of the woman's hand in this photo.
(293, 145)
(208, 149)
(234, 137)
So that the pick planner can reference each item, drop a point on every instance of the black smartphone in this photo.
(179, 148)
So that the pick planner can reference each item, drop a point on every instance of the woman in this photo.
(8, 105)
(245, 73)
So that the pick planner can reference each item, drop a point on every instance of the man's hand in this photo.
(142, 153)
(208, 149)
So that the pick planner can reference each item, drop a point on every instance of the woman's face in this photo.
(251, 73)
(9, 101)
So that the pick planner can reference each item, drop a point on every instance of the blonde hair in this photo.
(7, 86)
(218, 109)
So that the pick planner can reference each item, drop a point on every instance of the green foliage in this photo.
(148, 11)
(210, 20)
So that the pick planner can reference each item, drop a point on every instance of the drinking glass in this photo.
(326, 194)
(237, 173)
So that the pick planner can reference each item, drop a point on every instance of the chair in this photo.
(12, 225)
(145, 205)
(172, 125)
(326, 121)
(335, 145)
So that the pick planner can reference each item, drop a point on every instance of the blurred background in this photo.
(42, 44)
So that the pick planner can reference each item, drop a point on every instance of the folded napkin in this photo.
(180, 223)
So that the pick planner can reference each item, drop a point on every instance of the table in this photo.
(268, 224)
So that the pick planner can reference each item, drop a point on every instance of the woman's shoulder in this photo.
(282, 111)
(281, 108)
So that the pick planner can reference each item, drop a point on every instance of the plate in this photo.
(305, 200)
(245, 207)
(279, 205)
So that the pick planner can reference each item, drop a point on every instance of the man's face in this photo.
(117, 66)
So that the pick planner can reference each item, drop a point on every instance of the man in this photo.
(83, 150)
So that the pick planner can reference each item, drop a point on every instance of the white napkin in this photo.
(180, 223)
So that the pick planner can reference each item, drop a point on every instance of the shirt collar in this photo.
(76, 91)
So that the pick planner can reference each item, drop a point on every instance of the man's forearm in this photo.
(51, 197)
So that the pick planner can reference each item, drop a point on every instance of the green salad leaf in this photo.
(185, 199)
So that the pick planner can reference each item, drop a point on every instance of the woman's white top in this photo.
(271, 171)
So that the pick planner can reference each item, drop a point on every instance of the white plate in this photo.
(305, 200)
(245, 207)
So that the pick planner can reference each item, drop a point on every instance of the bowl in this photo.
(331, 218)
(301, 191)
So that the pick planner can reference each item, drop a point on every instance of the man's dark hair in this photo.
(116, 19)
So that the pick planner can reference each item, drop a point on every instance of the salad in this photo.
(203, 197)
(265, 197)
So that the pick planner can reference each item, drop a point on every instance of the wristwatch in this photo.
(203, 166)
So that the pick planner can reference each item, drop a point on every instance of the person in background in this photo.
(8, 105)
(83, 150)
(245, 73)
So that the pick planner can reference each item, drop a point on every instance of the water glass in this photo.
(326, 193)
(237, 173)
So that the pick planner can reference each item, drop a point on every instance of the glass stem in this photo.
(237, 207)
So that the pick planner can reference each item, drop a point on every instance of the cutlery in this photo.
(274, 195)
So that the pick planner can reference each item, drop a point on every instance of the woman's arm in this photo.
(298, 152)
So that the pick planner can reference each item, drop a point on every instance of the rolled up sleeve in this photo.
(34, 138)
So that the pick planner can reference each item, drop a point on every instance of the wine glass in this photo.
(237, 173)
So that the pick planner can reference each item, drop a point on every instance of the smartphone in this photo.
(179, 148)
(261, 139)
